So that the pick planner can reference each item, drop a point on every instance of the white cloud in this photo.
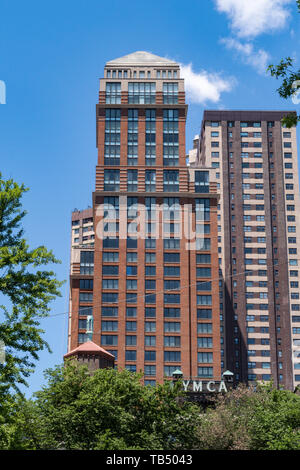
(249, 18)
(203, 86)
(259, 59)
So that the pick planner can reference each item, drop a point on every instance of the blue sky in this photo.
(52, 55)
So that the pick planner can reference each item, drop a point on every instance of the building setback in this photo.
(151, 300)
(255, 160)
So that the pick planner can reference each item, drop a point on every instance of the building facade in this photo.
(255, 159)
(144, 279)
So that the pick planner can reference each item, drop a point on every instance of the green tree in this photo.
(26, 292)
(109, 410)
(290, 76)
(248, 419)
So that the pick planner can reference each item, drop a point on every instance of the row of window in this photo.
(112, 340)
(202, 244)
(141, 93)
(141, 74)
(150, 312)
(170, 179)
(132, 257)
(112, 325)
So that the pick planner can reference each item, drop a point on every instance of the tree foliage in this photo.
(25, 291)
(290, 76)
(109, 410)
(252, 419)
(112, 410)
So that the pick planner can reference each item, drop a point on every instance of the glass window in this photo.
(111, 180)
(113, 93)
(141, 93)
(132, 137)
(201, 181)
(170, 93)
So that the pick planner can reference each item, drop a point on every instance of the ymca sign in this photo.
(204, 387)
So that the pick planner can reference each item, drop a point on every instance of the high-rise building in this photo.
(255, 159)
(144, 280)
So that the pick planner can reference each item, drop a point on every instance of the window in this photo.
(203, 286)
(150, 326)
(86, 262)
(204, 300)
(85, 297)
(171, 257)
(170, 93)
(150, 270)
(110, 270)
(171, 180)
(113, 93)
(203, 272)
(172, 341)
(168, 370)
(111, 180)
(86, 284)
(204, 313)
(131, 270)
(131, 325)
(150, 257)
(149, 370)
(110, 257)
(150, 284)
(204, 328)
(172, 285)
(171, 243)
(205, 357)
(112, 137)
(141, 93)
(110, 284)
(205, 372)
(171, 312)
(109, 340)
(202, 208)
(132, 137)
(172, 356)
(132, 180)
(150, 356)
(131, 284)
(205, 342)
(150, 137)
(201, 181)
(171, 327)
(131, 298)
(150, 180)
(109, 311)
(150, 340)
(109, 326)
(109, 298)
(130, 355)
(150, 312)
(170, 138)
(172, 298)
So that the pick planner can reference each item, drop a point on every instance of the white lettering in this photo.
(209, 386)
(222, 387)
(197, 386)
(186, 384)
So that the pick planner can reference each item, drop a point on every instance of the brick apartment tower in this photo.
(150, 301)
(255, 160)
